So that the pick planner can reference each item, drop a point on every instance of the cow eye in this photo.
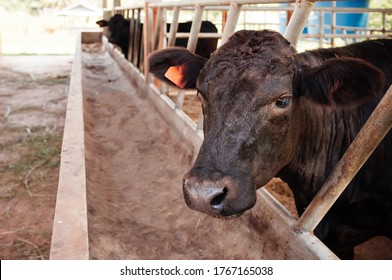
(283, 102)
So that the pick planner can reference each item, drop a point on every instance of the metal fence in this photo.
(153, 16)
(276, 17)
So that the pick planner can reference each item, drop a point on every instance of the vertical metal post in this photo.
(138, 45)
(333, 23)
(132, 28)
(224, 18)
(173, 27)
(298, 20)
(147, 36)
(244, 19)
(384, 23)
(115, 4)
(158, 29)
(321, 29)
(200, 123)
(180, 99)
(195, 29)
(231, 22)
(367, 140)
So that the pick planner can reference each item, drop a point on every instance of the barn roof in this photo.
(81, 9)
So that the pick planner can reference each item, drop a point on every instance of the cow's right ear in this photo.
(102, 23)
(342, 82)
(176, 66)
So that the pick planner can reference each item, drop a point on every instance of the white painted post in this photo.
(173, 27)
(200, 123)
(195, 29)
(115, 4)
(298, 20)
(147, 37)
(158, 28)
(180, 99)
(321, 29)
(231, 22)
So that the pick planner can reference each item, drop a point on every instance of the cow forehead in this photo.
(255, 76)
(246, 67)
(249, 55)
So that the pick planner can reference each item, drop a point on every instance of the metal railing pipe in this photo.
(217, 3)
(173, 27)
(180, 99)
(200, 123)
(321, 29)
(137, 40)
(158, 28)
(147, 37)
(195, 29)
(348, 36)
(298, 21)
(201, 35)
(231, 22)
(333, 23)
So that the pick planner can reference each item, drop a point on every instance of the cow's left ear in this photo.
(102, 23)
(341, 82)
(176, 66)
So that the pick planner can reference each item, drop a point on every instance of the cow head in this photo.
(251, 90)
(118, 28)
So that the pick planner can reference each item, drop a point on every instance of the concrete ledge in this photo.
(70, 231)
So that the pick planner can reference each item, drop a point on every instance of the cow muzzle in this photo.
(222, 197)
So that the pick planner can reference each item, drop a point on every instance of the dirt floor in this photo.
(132, 156)
(33, 92)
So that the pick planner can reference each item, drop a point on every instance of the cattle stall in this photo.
(110, 214)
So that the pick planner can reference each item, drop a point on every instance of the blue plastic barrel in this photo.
(342, 19)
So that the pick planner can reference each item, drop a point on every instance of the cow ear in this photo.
(176, 66)
(342, 82)
(102, 23)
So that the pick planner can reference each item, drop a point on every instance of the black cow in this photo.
(119, 34)
(269, 111)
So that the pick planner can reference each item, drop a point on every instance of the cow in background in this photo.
(269, 111)
(118, 34)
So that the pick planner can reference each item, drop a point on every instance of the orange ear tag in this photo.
(175, 75)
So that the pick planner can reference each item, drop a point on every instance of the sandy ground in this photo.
(33, 92)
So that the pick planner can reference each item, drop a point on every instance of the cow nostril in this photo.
(216, 202)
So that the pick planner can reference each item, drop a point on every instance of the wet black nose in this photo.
(215, 197)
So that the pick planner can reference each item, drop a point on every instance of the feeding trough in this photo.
(126, 147)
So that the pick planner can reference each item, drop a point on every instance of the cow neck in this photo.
(317, 57)
(324, 137)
